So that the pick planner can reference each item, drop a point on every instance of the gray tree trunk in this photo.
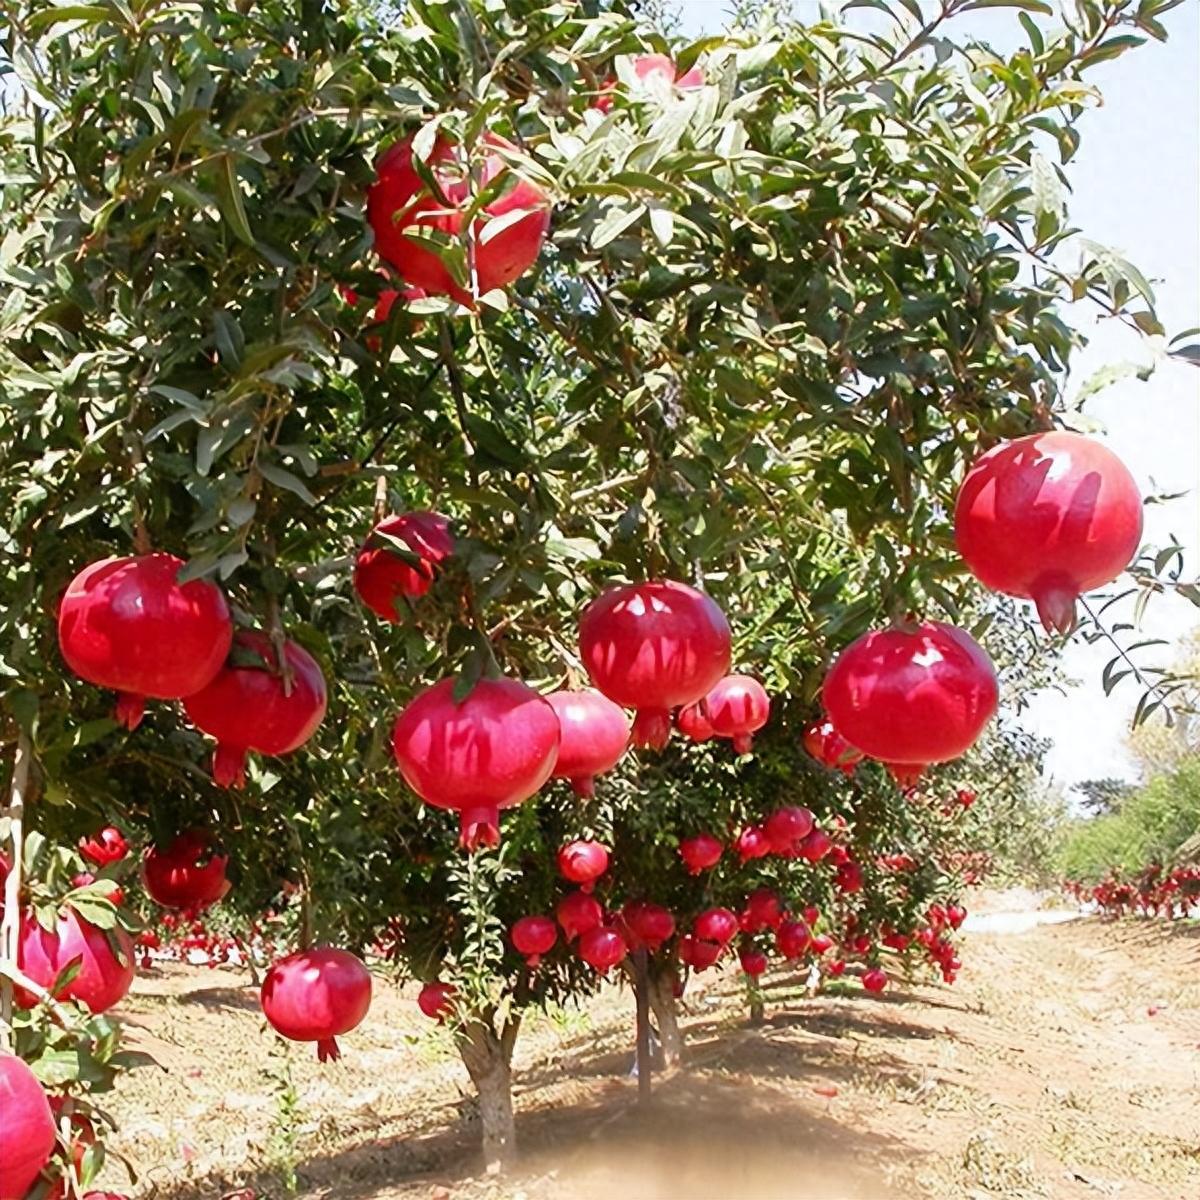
(488, 1059)
(666, 1012)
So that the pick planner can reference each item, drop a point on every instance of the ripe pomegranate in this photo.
(912, 695)
(752, 842)
(849, 877)
(715, 925)
(646, 924)
(827, 746)
(691, 721)
(105, 960)
(895, 941)
(577, 913)
(316, 995)
(656, 69)
(1048, 517)
(110, 887)
(786, 828)
(602, 948)
(383, 577)
(436, 1000)
(698, 954)
(763, 910)
(189, 873)
(700, 853)
(966, 797)
(108, 846)
(836, 967)
(875, 980)
(27, 1135)
(737, 707)
(583, 862)
(811, 914)
(491, 751)
(534, 936)
(594, 735)
(248, 707)
(399, 200)
(653, 647)
(126, 624)
(754, 962)
(815, 845)
(860, 944)
(821, 943)
(792, 938)
(955, 915)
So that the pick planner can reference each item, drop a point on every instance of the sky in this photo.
(1135, 187)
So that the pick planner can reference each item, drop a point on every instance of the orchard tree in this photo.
(794, 279)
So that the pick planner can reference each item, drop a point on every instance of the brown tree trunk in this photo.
(663, 1005)
(641, 991)
(488, 1059)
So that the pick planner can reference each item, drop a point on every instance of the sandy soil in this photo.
(1064, 1063)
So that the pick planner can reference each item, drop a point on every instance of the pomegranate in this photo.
(700, 853)
(849, 877)
(189, 873)
(737, 707)
(505, 245)
(715, 925)
(827, 746)
(814, 845)
(821, 943)
(965, 797)
(534, 936)
(692, 723)
(594, 735)
(752, 842)
(912, 695)
(248, 707)
(27, 1135)
(698, 954)
(491, 751)
(105, 960)
(126, 624)
(583, 862)
(792, 938)
(653, 647)
(895, 941)
(955, 915)
(875, 980)
(316, 995)
(763, 911)
(786, 828)
(108, 846)
(436, 1000)
(658, 71)
(836, 967)
(647, 924)
(383, 578)
(811, 914)
(577, 913)
(1048, 517)
(860, 944)
(754, 962)
(602, 948)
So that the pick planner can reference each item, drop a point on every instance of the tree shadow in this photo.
(245, 998)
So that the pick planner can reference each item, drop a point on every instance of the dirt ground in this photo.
(1065, 1063)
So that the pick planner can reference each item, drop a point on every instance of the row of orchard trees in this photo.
(779, 309)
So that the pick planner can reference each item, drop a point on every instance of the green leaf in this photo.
(1037, 6)
(233, 208)
(285, 479)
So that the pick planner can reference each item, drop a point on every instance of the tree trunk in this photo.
(757, 1015)
(641, 991)
(663, 1005)
(488, 1059)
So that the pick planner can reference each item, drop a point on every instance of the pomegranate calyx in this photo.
(651, 728)
(129, 710)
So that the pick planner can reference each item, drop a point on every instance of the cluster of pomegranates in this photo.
(1155, 892)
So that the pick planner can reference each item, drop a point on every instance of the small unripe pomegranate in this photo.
(577, 912)
(786, 828)
(875, 980)
(602, 948)
(691, 721)
(715, 925)
(436, 1000)
(534, 936)
(792, 939)
(700, 853)
(315, 996)
(106, 847)
(594, 734)
(383, 578)
(754, 962)
(752, 842)
(583, 862)
(737, 707)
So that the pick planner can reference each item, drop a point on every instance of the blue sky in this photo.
(1136, 187)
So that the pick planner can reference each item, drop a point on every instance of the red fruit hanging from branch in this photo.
(27, 1134)
(700, 853)
(248, 705)
(577, 912)
(654, 647)
(717, 925)
(786, 828)
(754, 962)
(385, 574)
(1048, 517)
(105, 960)
(763, 910)
(656, 71)
(436, 1000)
(737, 707)
(692, 722)
(646, 924)
(602, 948)
(127, 624)
(792, 938)
(912, 695)
(491, 750)
(316, 996)
(106, 847)
(828, 747)
(752, 843)
(583, 862)
(594, 735)
(533, 936)
(189, 873)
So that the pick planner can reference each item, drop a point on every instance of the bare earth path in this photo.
(1064, 1063)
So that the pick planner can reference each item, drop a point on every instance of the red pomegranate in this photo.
(491, 751)
(827, 746)
(595, 733)
(646, 924)
(27, 1135)
(248, 707)
(1048, 517)
(849, 877)
(955, 915)
(965, 797)
(577, 913)
(111, 889)
(715, 925)
(737, 707)
(875, 980)
(653, 647)
(108, 846)
(792, 938)
(912, 695)
(815, 845)
(383, 308)
(697, 954)
(315, 996)
(657, 70)
(700, 853)
(505, 245)
(602, 948)
(763, 911)
(821, 943)
(189, 873)
(811, 914)
(383, 577)
(436, 1000)
(836, 967)
(126, 624)
(754, 962)
(534, 936)
(105, 960)
(895, 941)
(786, 828)
(859, 944)
(692, 722)
(583, 862)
